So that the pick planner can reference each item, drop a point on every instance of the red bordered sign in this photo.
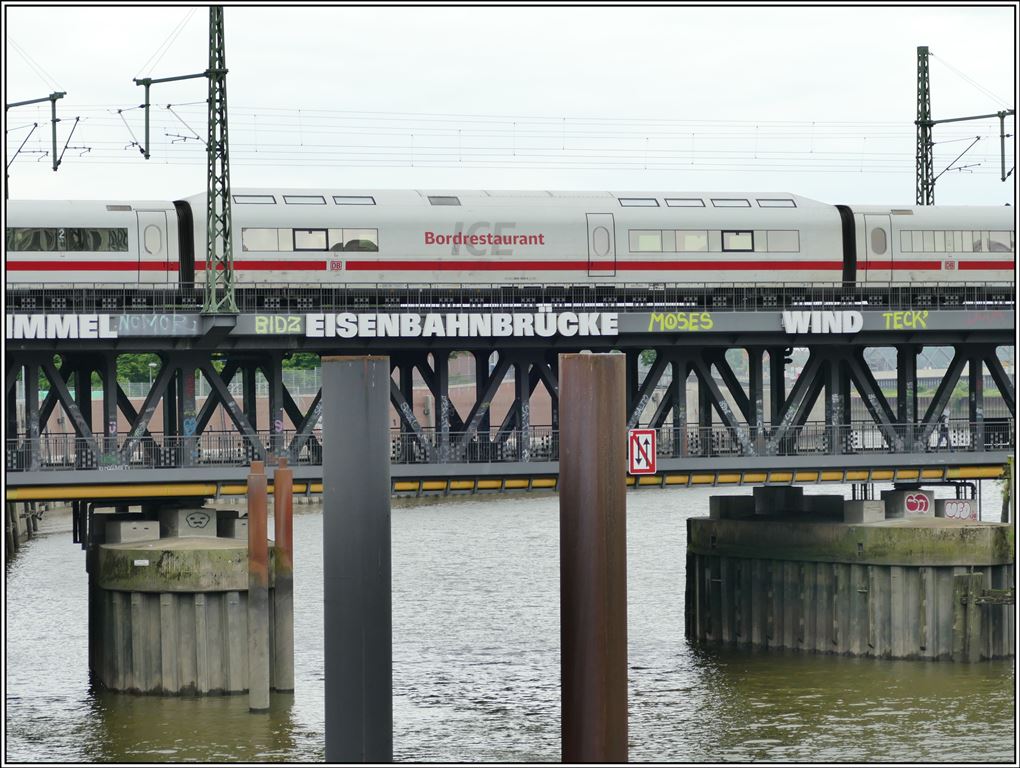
(641, 451)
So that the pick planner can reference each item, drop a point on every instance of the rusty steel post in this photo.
(593, 558)
(283, 567)
(258, 591)
(357, 590)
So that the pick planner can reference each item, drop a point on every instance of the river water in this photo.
(476, 661)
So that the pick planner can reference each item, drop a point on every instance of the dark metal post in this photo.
(258, 591)
(356, 553)
(109, 374)
(523, 409)
(705, 416)
(834, 407)
(925, 170)
(976, 411)
(906, 393)
(283, 571)
(756, 394)
(680, 440)
(593, 558)
(442, 360)
(32, 414)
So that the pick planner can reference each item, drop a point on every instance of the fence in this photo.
(540, 444)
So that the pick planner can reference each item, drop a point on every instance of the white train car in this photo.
(70, 244)
(935, 244)
(557, 238)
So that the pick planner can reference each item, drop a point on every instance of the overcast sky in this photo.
(815, 101)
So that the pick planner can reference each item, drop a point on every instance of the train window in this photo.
(66, 239)
(940, 241)
(361, 239)
(737, 241)
(645, 240)
(776, 202)
(256, 239)
(730, 202)
(153, 239)
(668, 241)
(444, 200)
(353, 199)
(999, 242)
(286, 239)
(916, 241)
(929, 241)
(905, 242)
(638, 202)
(691, 241)
(309, 239)
(600, 242)
(967, 240)
(304, 199)
(978, 242)
(879, 241)
(957, 241)
(783, 240)
(254, 199)
(685, 202)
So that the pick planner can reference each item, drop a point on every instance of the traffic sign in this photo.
(641, 451)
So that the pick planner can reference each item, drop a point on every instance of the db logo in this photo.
(961, 510)
(917, 503)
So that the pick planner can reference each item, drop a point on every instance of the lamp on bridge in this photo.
(151, 366)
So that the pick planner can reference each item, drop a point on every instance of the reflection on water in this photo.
(476, 662)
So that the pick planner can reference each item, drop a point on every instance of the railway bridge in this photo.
(743, 385)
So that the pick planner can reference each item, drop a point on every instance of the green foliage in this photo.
(136, 367)
(302, 361)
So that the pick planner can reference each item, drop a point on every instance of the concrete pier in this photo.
(170, 613)
(905, 587)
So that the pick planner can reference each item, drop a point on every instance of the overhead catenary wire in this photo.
(166, 45)
(35, 66)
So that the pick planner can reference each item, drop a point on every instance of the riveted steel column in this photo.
(274, 376)
(109, 375)
(249, 406)
(906, 393)
(442, 360)
(521, 384)
(976, 401)
(32, 414)
(681, 445)
(481, 384)
(258, 591)
(777, 384)
(83, 391)
(283, 572)
(834, 407)
(188, 417)
(356, 553)
(705, 416)
(756, 394)
(593, 558)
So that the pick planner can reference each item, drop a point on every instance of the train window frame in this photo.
(309, 231)
(304, 200)
(916, 241)
(684, 202)
(444, 200)
(906, 241)
(52, 242)
(999, 237)
(253, 231)
(638, 202)
(779, 235)
(254, 199)
(880, 247)
(347, 240)
(640, 238)
(152, 239)
(681, 240)
(940, 241)
(730, 202)
(775, 202)
(736, 233)
(353, 200)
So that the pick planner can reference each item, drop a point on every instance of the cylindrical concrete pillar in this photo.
(258, 591)
(356, 554)
(283, 590)
(593, 558)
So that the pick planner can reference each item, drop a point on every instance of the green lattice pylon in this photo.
(219, 256)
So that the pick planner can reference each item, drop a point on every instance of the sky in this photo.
(817, 101)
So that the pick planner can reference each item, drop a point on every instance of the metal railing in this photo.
(540, 444)
(636, 297)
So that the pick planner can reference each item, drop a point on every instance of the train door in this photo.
(601, 245)
(878, 245)
(152, 248)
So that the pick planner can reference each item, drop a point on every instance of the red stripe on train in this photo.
(446, 266)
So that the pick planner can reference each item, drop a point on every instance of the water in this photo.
(476, 662)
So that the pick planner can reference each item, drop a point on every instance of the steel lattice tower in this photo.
(925, 172)
(219, 258)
